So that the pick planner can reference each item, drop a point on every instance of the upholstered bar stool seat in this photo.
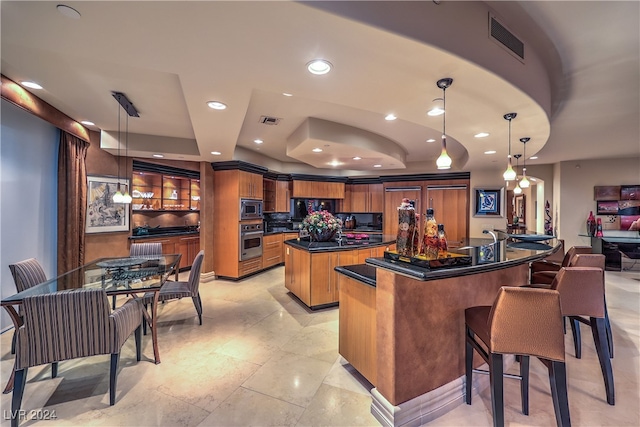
(525, 322)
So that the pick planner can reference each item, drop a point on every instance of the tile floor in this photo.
(262, 359)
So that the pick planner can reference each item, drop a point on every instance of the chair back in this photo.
(194, 274)
(581, 291)
(27, 274)
(573, 251)
(557, 256)
(588, 260)
(527, 321)
(145, 249)
(64, 325)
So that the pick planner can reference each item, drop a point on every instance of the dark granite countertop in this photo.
(362, 272)
(165, 234)
(346, 244)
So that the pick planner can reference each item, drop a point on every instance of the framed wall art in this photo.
(103, 215)
(488, 202)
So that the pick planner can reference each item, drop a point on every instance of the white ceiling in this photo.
(577, 94)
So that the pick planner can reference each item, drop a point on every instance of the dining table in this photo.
(133, 276)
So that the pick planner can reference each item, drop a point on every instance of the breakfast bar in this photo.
(402, 325)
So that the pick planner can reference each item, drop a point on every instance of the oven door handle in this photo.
(251, 233)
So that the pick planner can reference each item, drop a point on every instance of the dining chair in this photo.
(543, 273)
(72, 324)
(26, 274)
(177, 290)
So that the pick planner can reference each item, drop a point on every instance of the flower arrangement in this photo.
(321, 225)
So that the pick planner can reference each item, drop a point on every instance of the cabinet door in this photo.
(282, 196)
(392, 198)
(302, 189)
(301, 275)
(359, 198)
(250, 185)
(289, 267)
(376, 198)
(272, 250)
(269, 195)
(451, 208)
(322, 288)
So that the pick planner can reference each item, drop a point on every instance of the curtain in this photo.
(72, 201)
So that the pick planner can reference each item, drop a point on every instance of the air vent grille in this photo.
(268, 120)
(499, 33)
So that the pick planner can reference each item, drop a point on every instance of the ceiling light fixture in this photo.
(68, 11)
(217, 105)
(377, 166)
(287, 94)
(444, 161)
(509, 174)
(533, 158)
(127, 106)
(490, 152)
(216, 153)
(87, 123)
(31, 85)
(431, 140)
(524, 183)
(517, 190)
(258, 141)
(390, 117)
(319, 66)
(481, 135)
(436, 111)
(357, 158)
(158, 156)
(317, 150)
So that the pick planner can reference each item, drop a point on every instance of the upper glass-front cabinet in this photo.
(157, 192)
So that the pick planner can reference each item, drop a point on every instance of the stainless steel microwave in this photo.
(250, 209)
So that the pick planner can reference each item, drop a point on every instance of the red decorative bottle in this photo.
(599, 228)
(591, 224)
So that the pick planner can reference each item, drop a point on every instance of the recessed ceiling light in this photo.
(435, 111)
(88, 123)
(390, 117)
(357, 158)
(490, 152)
(481, 135)
(32, 85)
(431, 140)
(287, 94)
(319, 66)
(533, 158)
(317, 150)
(533, 179)
(377, 166)
(335, 163)
(258, 141)
(216, 105)
(158, 156)
(67, 11)
(216, 153)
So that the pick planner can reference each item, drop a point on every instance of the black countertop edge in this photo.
(160, 235)
(424, 274)
(305, 245)
(361, 272)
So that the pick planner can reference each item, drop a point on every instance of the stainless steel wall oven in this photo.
(250, 241)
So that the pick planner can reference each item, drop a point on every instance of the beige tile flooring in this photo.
(261, 359)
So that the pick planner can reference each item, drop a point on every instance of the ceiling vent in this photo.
(267, 120)
(505, 38)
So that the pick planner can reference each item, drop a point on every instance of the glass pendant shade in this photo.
(118, 197)
(444, 161)
(524, 183)
(509, 174)
(126, 197)
(517, 190)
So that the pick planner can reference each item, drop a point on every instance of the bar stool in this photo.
(543, 272)
(582, 295)
(492, 332)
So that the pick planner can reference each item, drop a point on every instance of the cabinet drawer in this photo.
(249, 266)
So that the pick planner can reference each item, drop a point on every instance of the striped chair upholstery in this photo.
(146, 250)
(72, 324)
(177, 290)
(26, 274)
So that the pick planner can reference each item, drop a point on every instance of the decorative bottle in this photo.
(406, 228)
(430, 239)
(599, 228)
(591, 224)
(442, 242)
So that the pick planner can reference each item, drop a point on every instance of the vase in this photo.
(322, 236)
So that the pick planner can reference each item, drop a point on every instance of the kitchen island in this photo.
(402, 326)
(309, 266)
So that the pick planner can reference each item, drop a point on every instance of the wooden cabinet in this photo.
(393, 195)
(157, 192)
(285, 237)
(450, 204)
(364, 198)
(188, 246)
(249, 266)
(272, 250)
(276, 195)
(250, 185)
(318, 190)
(365, 253)
(297, 270)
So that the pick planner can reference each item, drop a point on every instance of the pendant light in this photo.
(118, 197)
(518, 189)
(124, 102)
(444, 161)
(524, 183)
(509, 174)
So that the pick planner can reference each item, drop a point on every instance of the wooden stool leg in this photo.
(497, 392)
(558, 382)
(575, 330)
(598, 328)
(524, 383)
